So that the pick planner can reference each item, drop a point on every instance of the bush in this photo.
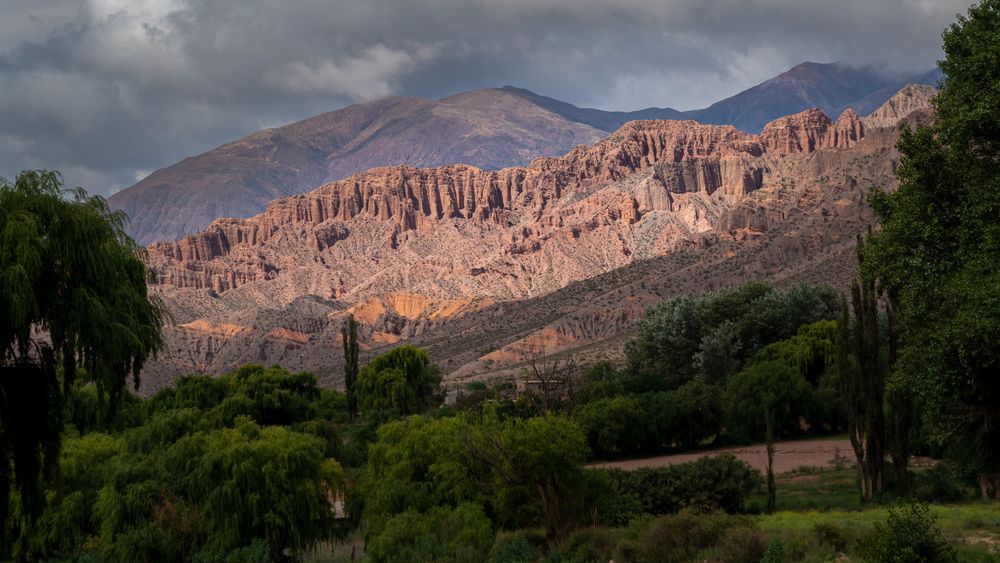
(910, 535)
(940, 483)
(442, 534)
(742, 544)
(830, 535)
(678, 537)
(710, 483)
(518, 546)
(612, 426)
(775, 552)
(589, 544)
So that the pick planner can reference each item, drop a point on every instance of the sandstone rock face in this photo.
(912, 98)
(483, 267)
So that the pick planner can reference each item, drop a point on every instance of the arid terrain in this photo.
(484, 268)
(788, 456)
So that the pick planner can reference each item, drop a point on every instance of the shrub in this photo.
(940, 483)
(442, 534)
(613, 426)
(742, 544)
(775, 552)
(589, 544)
(710, 483)
(518, 546)
(910, 535)
(678, 537)
(831, 535)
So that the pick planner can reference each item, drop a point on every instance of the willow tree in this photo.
(767, 396)
(402, 379)
(73, 300)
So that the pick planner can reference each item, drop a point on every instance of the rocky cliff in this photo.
(483, 267)
(489, 128)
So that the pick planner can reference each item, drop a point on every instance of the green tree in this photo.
(863, 372)
(349, 334)
(460, 534)
(403, 379)
(523, 472)
(252, 482)
(939, 243)
(713, 336)
(769, 396)
(613, 426)
(73, 294)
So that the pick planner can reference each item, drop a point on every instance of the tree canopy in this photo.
(402, 379)
(938, 245)
(711, 337)
(73, 295)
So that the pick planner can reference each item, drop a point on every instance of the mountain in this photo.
(489, 129)
(831, 87)
(486, 128)
(486, 267)
(600, 119)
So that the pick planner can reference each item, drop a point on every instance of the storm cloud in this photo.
(108, 90)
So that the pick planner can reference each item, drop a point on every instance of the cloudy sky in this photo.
(108, 90)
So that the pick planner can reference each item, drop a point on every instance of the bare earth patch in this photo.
(788, 456)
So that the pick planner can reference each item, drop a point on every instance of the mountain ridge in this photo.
(430, 255)
(489, 128)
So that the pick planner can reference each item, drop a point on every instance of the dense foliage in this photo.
(73, 295)
(209, 469)
(720, 483)
(713, 336)
(938, 246)
(402, 380)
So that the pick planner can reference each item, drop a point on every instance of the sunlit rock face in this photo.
(484, 267)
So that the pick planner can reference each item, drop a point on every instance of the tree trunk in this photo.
(769, 437)
(984, 487)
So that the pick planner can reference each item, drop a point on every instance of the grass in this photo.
(820, 515)
(972, 528)
(813, 489)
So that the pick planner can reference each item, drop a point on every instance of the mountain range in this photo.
(490, 129)
(485, 268)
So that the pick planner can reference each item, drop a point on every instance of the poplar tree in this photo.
(938, 246)
(349, 332)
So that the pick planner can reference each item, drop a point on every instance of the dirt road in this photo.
(788, 456)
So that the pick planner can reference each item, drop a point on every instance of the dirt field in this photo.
(788, 456)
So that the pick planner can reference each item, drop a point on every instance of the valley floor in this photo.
(788, 456)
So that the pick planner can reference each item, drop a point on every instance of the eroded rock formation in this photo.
(564, 252)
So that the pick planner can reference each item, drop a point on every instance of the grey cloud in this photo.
(106, 90)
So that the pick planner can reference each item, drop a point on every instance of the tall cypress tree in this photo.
(350, 338)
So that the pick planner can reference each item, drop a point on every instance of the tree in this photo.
(769, 395)
(862, 375)
(252, 482)
(613, 426)
(936, 251)
(73, 294)
(713, 336)
(524, 473)
(349, 334)
(403, 379)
